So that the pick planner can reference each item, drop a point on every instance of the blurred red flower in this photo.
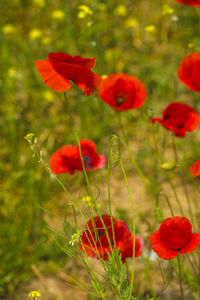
(179, 117)
(62, 67)
(190, 2)
(195, 169)
(189, 71)
(67, 158)
(174, 236)
(99, 245)
(122, 92)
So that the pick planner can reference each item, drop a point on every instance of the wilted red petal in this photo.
(163, 251)
(195, 169)
(61, 57)
(54, 80)
(85, 79)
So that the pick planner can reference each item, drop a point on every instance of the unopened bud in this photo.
(168, 166)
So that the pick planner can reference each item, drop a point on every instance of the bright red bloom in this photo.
(122, 92)
(62, 67)
(174, 236)
(189, 71)
(179, 118)
(195, 169)
(67, 158)
(194, 3)
(123, 238)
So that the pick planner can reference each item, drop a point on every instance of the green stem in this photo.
(180, 277)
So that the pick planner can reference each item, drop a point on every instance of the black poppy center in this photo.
(120, 98)
(87, 160)
(101, 233)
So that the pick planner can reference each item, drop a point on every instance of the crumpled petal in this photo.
(162, 251)
(54, 80)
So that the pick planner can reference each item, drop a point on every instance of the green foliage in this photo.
(116, 272)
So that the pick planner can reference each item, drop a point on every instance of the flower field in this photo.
(100, 156)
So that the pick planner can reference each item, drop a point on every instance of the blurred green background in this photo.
(146, 39)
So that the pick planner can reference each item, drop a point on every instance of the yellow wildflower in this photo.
(167, 10)
(88, 200)
(34, 295)
(190, 45)
(150, 28)
(74, 239)
(35, 34)
(46, 40)
(48, 96)
(84, 11)
(104, 76)
(120, 10)
(131, 23)
(12, 72)
(8, 29)
(40, 3)
(58, 14)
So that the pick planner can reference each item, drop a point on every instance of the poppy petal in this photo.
(54, 80)
(193, 3)
(161, 250)
(195, 169)
(192, 245)
(61, 57)
(85, 79)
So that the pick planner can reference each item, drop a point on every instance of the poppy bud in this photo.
(169, 166)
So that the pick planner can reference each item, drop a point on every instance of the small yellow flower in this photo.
(131, 23)
(8, 29)
(120, 10)
(34, 295)
(88, 200)
(48, 96)
(74, 239)
(46, 40)
(35, 34)
(190, 45)
(104, 76)
(58, 14)
(150, 28)
(167, 10)
(84, 11)
(12, 72)
(40, 3)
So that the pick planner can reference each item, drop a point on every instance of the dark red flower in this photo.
(189, 71)
(194, 3)
(179, 118)
(174, 236)
(67, 158)
(122, 92)
(195, 169)
(62, 67)
(98, 244)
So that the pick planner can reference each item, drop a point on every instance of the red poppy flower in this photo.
(62, 67)
(174, 236)
(190, 2)
(96, 242)
(122, 92)
(189, 71)
(67, 158)
(195, 169)
(179, 118)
